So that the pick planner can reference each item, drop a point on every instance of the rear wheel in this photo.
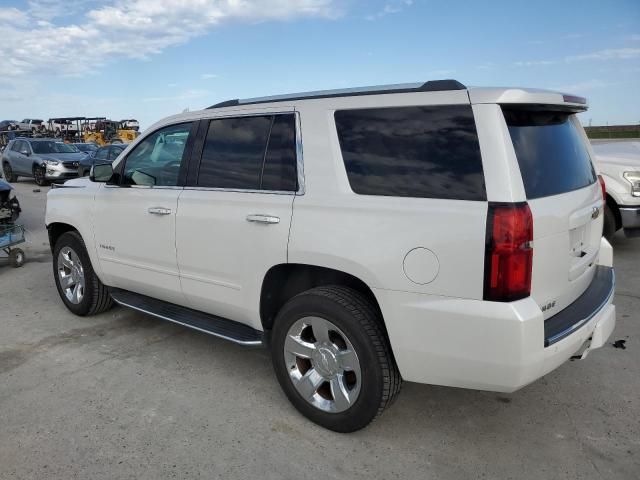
(332, 358)
(8, 173)
(38, 176)
(609, 228)
(16, 257)
(79, 287)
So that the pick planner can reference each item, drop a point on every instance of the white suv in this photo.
(427, 232)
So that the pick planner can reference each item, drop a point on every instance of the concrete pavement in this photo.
(126, 396)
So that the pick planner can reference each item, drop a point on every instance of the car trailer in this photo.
(10, 236)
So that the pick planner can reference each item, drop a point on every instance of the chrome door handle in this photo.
(270, 219)
(159, 211)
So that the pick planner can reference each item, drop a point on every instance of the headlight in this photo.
(634, 179)
(51, 162)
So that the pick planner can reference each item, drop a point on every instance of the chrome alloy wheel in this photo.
(322, 364)
(71, 275)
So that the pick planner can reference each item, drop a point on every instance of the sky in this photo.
(147, 59)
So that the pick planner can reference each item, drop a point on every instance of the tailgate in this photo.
(565, 199)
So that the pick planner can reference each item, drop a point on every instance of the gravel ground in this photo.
(122, 395)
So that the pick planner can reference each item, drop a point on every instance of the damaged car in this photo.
(9, 205)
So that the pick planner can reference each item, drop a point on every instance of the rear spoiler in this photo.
(532, 98)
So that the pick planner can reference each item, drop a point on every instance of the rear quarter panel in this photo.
(370, 236)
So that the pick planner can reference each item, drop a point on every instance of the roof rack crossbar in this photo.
(430, 86)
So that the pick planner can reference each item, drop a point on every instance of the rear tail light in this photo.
(509, 253)
(603, 187)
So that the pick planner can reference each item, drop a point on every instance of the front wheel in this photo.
(332, 358)
(8, 173)
(38, 176)
(78, 285)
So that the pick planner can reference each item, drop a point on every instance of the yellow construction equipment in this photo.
(108, 131)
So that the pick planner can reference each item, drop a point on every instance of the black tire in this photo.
(360, 321)
(8, 173)
(609, 228)
(96, 296)
(38, 176)
(16, 257)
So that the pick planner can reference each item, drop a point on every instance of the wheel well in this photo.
(55, 230)
(611, 203)
(283, 282)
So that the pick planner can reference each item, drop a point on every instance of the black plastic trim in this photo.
(578, 314)
(220, 327)
(430, 86)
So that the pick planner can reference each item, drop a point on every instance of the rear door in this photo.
(21, 157)
(234, 214)
(565, 198)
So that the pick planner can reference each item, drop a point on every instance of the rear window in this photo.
(551, 152)
(250, 153)
(419, 151)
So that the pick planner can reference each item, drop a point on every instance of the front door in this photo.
(135, 219)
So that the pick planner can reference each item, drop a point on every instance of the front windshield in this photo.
(53, 147)
(87, 147)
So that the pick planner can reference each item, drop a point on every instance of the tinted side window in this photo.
(16, 146)
(114, 152)
(429, 152)
(156, 160)
(280, 169)
(233, 153)
(101, 154)
(551, 152)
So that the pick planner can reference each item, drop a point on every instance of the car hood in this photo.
(63, 157)
(624, 154)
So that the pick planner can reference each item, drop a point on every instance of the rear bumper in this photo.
(491, 345)
(630, 217)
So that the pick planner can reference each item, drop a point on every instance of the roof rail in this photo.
(430, 86)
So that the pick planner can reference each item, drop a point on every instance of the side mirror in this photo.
(101, 173)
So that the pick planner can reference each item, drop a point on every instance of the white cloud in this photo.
(582, 86)
(535, 63)
(606, 54)
(13, 15)
(389, 9)
(130, 28)
(635, 37)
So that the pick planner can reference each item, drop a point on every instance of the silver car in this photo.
(45, 160)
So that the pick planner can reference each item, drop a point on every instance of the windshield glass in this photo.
(551, 151)
(87, 147)
(53, 147)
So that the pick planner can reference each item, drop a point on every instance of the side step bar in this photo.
(220, 327)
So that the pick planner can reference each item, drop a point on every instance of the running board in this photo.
(220, 327)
